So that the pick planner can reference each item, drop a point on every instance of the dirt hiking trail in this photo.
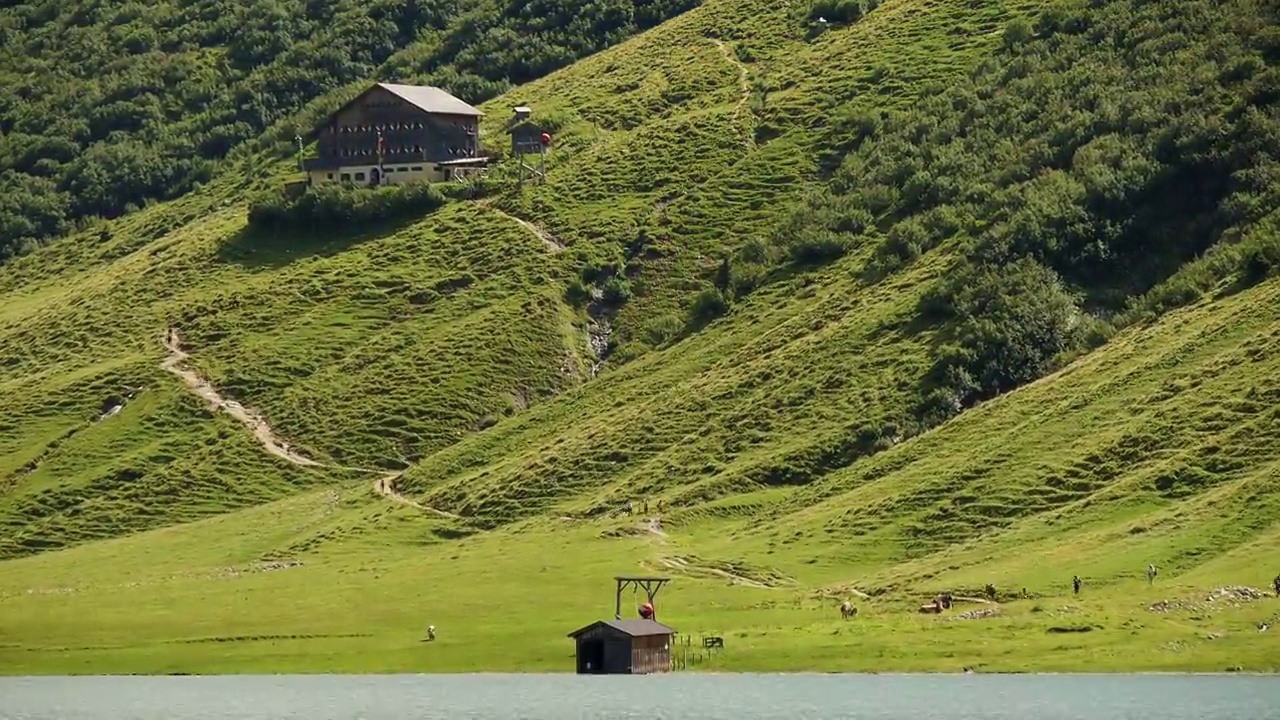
(744, 83)
(547, 239)
(652, 527)
(252, 420)
(384, 485)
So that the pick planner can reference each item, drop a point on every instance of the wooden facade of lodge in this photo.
(623, 647)
(426, 134)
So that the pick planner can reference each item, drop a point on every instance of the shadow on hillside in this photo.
(907, 327)
(1250, 278)
(267, 249)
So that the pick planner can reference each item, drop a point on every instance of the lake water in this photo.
(671, 697)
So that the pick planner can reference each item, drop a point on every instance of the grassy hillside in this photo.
(930, 296)
(105, 107)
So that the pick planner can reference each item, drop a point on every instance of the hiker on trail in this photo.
(1151, 574)
(991, 591)
(1276, 584)
(1075, 584)
(431, 632)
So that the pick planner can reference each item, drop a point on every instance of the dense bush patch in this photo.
(337, 208)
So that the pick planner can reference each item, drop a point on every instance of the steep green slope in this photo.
(326, 582)
(417, 310)
(107, 106)
(815, 368)
(830, 261)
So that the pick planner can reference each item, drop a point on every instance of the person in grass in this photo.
(1075, 584)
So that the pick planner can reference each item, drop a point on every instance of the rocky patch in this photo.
(1223, 597)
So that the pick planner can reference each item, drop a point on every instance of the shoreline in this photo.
(673, 674)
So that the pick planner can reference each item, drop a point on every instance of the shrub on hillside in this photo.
(817, 246)
(473, 188)
(1016, 32)
(839, 12)
(338, 207)
(616, 291)
(823, 228)
(706, 307)
(904, 243)
(1261, 260)
(1006, 327)
(661, 330)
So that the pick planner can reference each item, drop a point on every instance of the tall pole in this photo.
(298, 139)
(617, 608)
(381, 170)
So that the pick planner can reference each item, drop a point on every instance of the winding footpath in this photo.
(653, 527)
(547, 239)
(261, 429)
(744, 82)
(384, 485)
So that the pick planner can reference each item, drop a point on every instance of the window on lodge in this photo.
(346, 177)
(359, 176)
(402, 169)
(417, 168)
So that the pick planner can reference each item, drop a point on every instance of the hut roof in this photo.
(634, 628)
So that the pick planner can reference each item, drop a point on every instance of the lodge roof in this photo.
(634, 628)
(430, 99)
(426, 98)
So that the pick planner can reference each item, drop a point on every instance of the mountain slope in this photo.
(837, 301)
(104, 108)
(761, 570)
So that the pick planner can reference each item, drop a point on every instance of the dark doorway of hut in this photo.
(591, 657)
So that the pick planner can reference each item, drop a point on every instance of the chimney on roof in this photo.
(522, 113)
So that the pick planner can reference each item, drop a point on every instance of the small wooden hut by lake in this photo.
(623, 647)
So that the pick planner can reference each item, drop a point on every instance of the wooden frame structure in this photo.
(526, 139)
(650, 585)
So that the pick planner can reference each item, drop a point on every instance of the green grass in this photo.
(773, 437)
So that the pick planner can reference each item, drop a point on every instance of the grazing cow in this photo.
(932, 608)
(847, 610)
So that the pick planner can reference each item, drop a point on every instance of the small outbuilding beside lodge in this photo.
(623, 647)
